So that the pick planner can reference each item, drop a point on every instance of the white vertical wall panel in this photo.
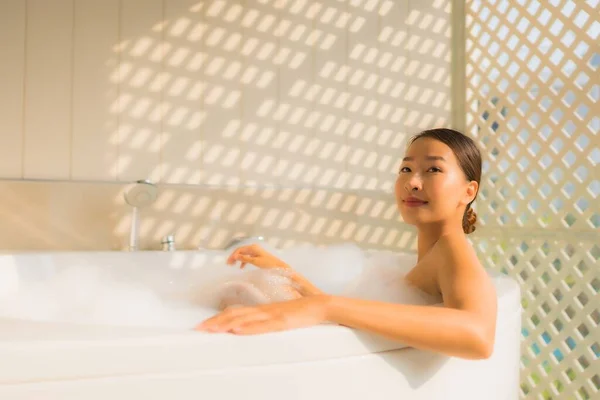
(296, 143)
(260, 83)
(12, 72)
(391, 89)
(182, 98)
(362, 81)
(141, 83)
(223, 144)
(329, 92)
(95, 90)
(48, 95)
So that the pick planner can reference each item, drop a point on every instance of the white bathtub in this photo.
(57, 360)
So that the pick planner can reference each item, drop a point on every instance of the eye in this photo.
(404, 169)
(435, 169)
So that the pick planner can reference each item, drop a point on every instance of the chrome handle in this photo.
(168, 243)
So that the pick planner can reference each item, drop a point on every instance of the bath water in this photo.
(94, 295)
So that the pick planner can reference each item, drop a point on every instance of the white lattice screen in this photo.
(532, 89)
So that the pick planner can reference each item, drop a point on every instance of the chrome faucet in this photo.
(168, 243)
(238, 241)
(141, 194)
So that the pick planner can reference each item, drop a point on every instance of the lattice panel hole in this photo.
(582, 111)
(582, 80)
(595, 285)
(535, 320)
(546, 308)
(570, 343)
(545, 278)
(569, 312)
(595, 317)
(556, 175)
(583, 299)
(558, 386)
(545, 162)
(595, 221)
(581, 174)
(595, 349)
(583, 394)
(583, 362)
(569, 281)
(569, 129)
(568, 190)
(568, 251)
(595, 252)
(596, 382)
(557, 264)
(569, 220)
(570, 374)
(569, 159)
(583, 330)
(557, 294)
(556, 205)
(581, 50)
(545, 190)
(569, 98)
(581, 205)
(556, 86)
(558, 325)
(545, 248)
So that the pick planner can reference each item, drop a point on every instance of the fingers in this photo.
(247, 251)
(244, 259)
(237, 322)
(261, 326)
(212, 323)
(233, 319)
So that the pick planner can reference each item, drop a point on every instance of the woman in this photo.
(437, 181)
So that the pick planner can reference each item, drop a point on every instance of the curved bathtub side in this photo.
(397, 374)
(405, 373)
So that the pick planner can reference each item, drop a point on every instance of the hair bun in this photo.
(469, 220)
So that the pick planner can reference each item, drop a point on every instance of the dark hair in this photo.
(469, 159)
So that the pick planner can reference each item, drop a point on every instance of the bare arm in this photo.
(303, 285)
(463, 327)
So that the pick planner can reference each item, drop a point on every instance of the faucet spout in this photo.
(133, 233)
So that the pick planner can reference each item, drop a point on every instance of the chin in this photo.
(409, 219)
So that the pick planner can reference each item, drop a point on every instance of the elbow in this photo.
(482, 345)
(483, 351)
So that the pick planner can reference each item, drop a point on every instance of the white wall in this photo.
(207, 96)
(286, 93)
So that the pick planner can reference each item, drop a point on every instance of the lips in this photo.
(413, 201)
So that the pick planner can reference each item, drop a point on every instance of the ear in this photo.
(471, 192)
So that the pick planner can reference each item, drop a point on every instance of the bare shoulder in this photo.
(463, 281)
(456, 251)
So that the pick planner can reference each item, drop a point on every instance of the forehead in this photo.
(425, 147)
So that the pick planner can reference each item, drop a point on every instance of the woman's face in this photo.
(431, 186)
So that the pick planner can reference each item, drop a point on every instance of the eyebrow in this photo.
(433, 158)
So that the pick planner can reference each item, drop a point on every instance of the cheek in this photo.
(399, 184)
(445, 187)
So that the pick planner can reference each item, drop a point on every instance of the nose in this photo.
(413, 183)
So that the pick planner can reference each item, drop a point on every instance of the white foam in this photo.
(95, 295)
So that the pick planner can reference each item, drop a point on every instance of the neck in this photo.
(429, 234)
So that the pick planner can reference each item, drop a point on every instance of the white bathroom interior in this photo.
(142, 140)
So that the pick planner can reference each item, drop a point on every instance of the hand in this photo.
(303, 312)
(257, 256)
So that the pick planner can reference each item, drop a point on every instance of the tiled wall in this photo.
(296, 94)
